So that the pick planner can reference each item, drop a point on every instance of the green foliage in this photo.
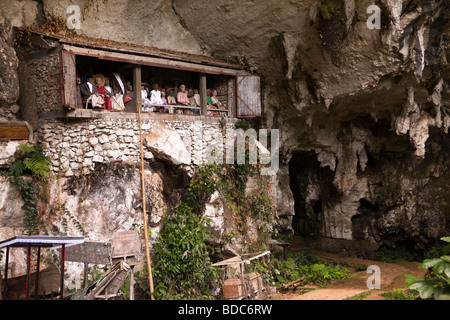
(305, 265)
(439, 250)
(437, 284)
(243, 124)
(394, 255)
(66, 217)
(398, 294)
(332, 8)
(306, 257)
(321, 274)
(276, 45)
(31, 219)
(182, 265)
(207, 180)
(359, 296)
(34, 161)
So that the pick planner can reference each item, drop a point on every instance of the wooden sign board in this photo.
(126, 244)
(15, 130)
(89, 252)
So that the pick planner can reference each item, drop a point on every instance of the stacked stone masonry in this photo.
(75, 146)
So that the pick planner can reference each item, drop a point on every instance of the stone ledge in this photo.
(103, 114)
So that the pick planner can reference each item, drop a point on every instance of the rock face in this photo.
(167, 145)
(363, 113)
(152, 23)
(108, 200)
(9, 80)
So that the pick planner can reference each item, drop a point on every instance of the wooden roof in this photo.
(43, 241)
(124, 47)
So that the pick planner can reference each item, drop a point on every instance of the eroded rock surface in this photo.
(363, 113)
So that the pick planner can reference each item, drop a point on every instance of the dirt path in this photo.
(391, 276)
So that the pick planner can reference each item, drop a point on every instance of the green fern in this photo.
(39, 165)
(17, 168)
(33, 160)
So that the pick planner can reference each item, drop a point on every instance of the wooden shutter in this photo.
(248, 92)
(68, 79)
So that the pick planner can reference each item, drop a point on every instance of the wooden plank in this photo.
(248, 92)
(14, 133)
(293, 284)
(90, 252)
(150, 61)
(230, 98)
(126, 244)
(202, 93)
(68, 79)
(15, 130)
(136, 49)
(137, 82)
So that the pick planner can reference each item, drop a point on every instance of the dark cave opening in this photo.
(361, 221)
(305, 170)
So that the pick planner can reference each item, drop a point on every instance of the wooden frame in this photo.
(236, 99)
(150, 61)
(248, 96)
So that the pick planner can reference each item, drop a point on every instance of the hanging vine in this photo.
(29, 175)
(32, 162)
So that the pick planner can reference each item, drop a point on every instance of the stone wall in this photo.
(75, 146)
(42, 74)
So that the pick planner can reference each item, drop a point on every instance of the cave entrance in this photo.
(312, 189)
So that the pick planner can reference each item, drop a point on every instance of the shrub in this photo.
(182, 265)
(437, 284)
(398, 294)
(307, 266)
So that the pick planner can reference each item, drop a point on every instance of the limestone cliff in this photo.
(363, 112)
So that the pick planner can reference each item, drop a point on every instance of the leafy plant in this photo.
(309, 267)
(321, 274)
(394, 255)
(66, 217)
(33, 160)
(437, 284)
(182, 265)
(242, 124)
(398, 294)
(359, 296)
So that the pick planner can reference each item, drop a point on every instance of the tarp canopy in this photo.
(41, 241)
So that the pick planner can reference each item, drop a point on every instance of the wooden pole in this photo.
(85, 276)
(36, 285)
(63, 258)
(202, 92)
(137, 81)
(132, 283)
(5, 289)
(27, 290)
